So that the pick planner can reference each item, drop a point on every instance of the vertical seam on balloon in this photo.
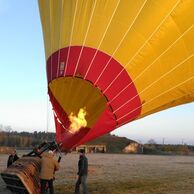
(156, 29)
(59, 54)
(59, 50)
(69, 48)
(51, 50)
(154, 99)
(101, 40)
(134, 20)
(153, 62)
(178, 65)
(82, 47)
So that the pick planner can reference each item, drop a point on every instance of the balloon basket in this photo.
(22, 176)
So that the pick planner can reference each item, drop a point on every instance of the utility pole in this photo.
(163, 140)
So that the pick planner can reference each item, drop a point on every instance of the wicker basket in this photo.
(22, 176)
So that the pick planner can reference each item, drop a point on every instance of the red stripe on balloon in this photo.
(95, 61)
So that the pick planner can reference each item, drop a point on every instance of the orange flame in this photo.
(79, 121)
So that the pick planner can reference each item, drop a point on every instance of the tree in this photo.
(8, 128)
(151, 141)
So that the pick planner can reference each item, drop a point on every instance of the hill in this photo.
(114, 143)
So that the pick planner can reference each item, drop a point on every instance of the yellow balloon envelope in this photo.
(110, 62)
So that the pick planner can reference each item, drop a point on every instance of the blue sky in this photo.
(23, 94)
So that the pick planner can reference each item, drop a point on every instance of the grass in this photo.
(179, 185)
(126, 174)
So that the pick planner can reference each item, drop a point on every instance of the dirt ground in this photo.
(125, 174)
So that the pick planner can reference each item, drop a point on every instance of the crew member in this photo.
(12, 158)
(82, 173)
(48, 167)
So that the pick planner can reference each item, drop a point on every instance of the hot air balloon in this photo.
(110, 62)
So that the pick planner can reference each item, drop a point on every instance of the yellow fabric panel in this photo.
(147, 21)
(111, 34)
(45, 14)
(155, 69)
(74, 22)
(171, 50)
(71, 24)
(75, 93)
(57, 17)
(169, 90)
(180, 97)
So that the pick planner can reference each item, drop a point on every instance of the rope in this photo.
(49, 115)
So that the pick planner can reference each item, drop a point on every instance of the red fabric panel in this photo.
(111, 71)
(73, 59)
(54, 62)
(85, 61)
(97, 66)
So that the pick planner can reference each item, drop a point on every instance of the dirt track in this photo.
(128, 173)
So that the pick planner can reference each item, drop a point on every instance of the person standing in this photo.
(48, 167)
(12, 158)
(82, 173)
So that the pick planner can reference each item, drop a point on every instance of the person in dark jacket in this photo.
(12, 158)
(82, 173)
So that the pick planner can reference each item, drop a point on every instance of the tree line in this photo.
(161, 149)
(24, 139)
(115, 144)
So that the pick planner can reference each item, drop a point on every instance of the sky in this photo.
(24, 103)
